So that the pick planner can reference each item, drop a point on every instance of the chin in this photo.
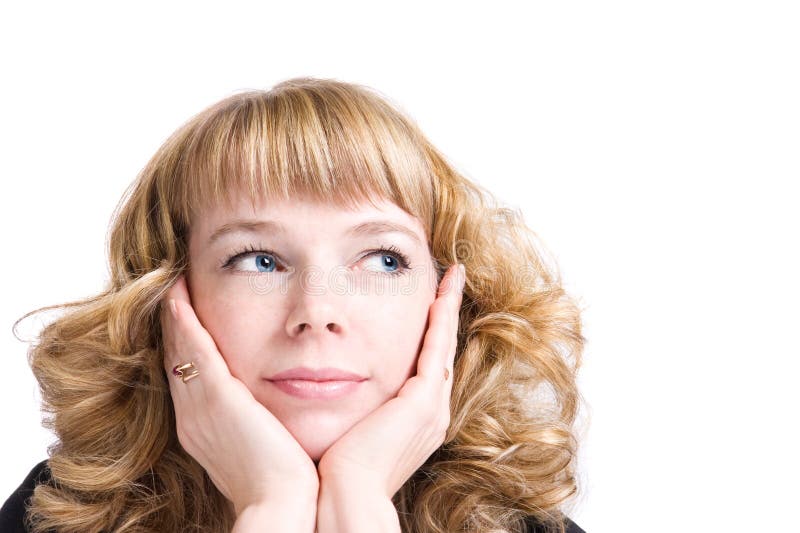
(316, 450)
(318, 433)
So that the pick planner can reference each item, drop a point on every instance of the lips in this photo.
(320, 374)
(322, 383)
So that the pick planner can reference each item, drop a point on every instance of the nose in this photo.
(316, 309)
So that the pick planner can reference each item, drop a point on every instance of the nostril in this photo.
(332, 326)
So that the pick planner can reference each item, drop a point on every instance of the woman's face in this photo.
(309, 290)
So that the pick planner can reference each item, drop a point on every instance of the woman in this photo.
(289, 342)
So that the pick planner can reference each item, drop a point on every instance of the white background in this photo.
(652, 146)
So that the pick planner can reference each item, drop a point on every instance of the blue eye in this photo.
(388, 261)
(263, 260)
(266, 262)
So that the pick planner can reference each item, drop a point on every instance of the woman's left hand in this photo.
(384, 449)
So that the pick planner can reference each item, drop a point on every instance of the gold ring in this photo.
(178, 370)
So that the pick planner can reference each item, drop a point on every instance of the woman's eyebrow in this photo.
(246, 226)
(376, 227)
(370, 227)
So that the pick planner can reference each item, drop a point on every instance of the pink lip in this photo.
(320, 374)
(323, 383)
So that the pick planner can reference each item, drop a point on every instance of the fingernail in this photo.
(173, 308)
(462, 270)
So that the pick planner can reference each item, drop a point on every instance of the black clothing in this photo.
(12, 513)
(533, 527)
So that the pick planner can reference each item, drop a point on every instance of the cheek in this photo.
(395, 329)
(238, 321)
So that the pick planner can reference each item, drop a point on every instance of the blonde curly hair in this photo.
(510, 451)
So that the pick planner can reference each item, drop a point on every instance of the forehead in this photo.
(300, 214)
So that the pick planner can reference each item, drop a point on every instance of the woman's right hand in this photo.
(248, 454)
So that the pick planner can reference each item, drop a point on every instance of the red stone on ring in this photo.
(176, 372)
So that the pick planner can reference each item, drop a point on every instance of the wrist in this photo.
(293, 509)
(338, 482)
(290, 515)
(252, 518)
(289, 494)
(353, 509)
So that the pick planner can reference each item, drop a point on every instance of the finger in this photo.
(192, 342)
(173, 346)
(167, 318)
(454, 297)
(458, 296)
(456, 316)
(434, 356)
(189, 342)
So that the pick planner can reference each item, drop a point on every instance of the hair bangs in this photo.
(316, 142)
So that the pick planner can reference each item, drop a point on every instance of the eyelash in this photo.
(388, 250)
